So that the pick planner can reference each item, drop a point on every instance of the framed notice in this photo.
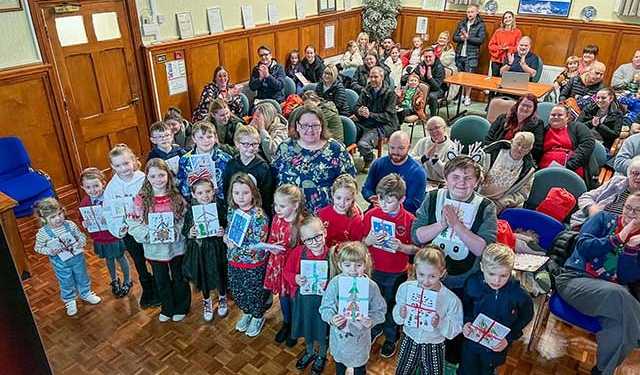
(272, 12)
(214, 16)
(247, 17)
(325, 6)
(10, 5)
(299, 9)
(434, 4)
(185, 25)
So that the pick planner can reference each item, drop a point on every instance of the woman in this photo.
(363, 44)
(510, 168)
(610, 196)
(589, 57)
(272, 128)
(431, 151)
(226, 124)
(504, 41)
(595, 279)
(330, 88)
(311, 160)
(521, 117)
(604, 117)
(313, 64)
(447, 55)
(330, 113)
(220, 88)
(569, 144)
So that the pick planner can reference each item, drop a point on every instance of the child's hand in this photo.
(366, 322)
(193, 232)
(467, 329)
(339, 321)
(403, 312)
(374, 238)
(276, 250)
(435, 320)
(230, 245)
(220, 232)
(301, 280)
(501, 345)
(394, 244)
(123, 231)
(86, 223)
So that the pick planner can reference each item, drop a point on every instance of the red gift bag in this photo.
(505, 234)
(557, 204)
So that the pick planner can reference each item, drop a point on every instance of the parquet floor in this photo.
(116, 337)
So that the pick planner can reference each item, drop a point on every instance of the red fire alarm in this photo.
(177, 55)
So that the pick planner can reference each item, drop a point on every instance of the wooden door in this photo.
(93, 55)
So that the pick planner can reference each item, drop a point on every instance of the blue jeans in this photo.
(71, 274)
(388, 284)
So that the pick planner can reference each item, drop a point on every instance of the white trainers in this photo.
(243, 323)
(163, 318)
(223, 308)
(255, 327)
(92, 298)
(179, 317)
(467, 101)
(72, 308)
(207, 312)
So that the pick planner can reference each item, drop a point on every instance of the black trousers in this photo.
(173, 289)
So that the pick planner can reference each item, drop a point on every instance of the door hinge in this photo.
(46, 31)
(64, 104)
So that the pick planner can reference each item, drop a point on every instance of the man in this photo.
(523, 61)
(361, 76)
(384, 50)
(470, 34)
(627, 73)
(586, 84)
(267, 78)
(398, 161)
(432, 74)
(375, 114)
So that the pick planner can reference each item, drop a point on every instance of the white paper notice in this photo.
(329, 36)
(247, 17)
(299, 9)
(214, 15)
(347, 5)
(421, 25)
(176, 77)
(272, 11)
(185, 25)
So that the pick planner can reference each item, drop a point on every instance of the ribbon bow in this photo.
(194, 177)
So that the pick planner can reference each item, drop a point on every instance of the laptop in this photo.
(514, 81)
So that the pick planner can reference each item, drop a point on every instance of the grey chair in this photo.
(470, 129)
(545, 179)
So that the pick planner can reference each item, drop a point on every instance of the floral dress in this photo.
(312, 170)
(211, 92)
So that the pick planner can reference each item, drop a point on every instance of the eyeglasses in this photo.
(249, 144)
(634, 174)
(631, 209)
(317, 239)
(162, 137)
(264, 54)
(309, 126)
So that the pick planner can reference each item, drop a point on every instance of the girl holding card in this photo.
(247, 227)
(106, 246)
(156, 221)
(351, 342)
(205, 259)
(430, 313)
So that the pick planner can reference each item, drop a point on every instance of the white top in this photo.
(117, 188)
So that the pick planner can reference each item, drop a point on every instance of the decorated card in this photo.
(95, 218)
(353, 297)
(173, 163)
(421, 305)
(316, 272)
(116, 213)
(448, 240)
(238, 227)
(529, 262)
(378, 225)
(68, 244)
(203, 161)
(487, 331)
(161, 228)
(205, 219)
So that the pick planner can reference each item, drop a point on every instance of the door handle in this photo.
(135, 99)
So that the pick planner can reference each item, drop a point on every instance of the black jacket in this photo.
(575, 87)
(497, 131)
(259, 169)
(361, 76)
(313, 72)
(382, 109)
(436, 82)
(583, 143)
(336, 94)
(273, 86)
(477, 35)
(609, 129)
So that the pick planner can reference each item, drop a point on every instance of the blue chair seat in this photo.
(26, 189)
(572, 316)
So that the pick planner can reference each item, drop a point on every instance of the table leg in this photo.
(458, 113)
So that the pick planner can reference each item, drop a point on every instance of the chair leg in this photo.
(412, 126)
(424, 127)
(539, 322)
(381, 141)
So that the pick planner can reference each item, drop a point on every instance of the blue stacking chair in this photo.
(309, 87)
(246, 106)
(546, 227)
(349, 72)
(545, 179)
(289, 86)
(470, 129)
(352, 99)
(544, 109)
(272, 101)
(350, 133)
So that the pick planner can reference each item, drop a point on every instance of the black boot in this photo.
(283, 333)
(115, 287)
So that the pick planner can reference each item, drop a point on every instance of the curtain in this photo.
(628, 8)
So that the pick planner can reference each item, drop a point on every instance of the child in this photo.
(293, 66)
(395, 65)
(106, 246)
(421, 348)
(247, 264)
(351, 57)
(306, 318)
(410, 100)
(569, 72)
(206, 141)
(289, 208)
(352, 349)
(343, 218)
(247, 141)
(412, 58)
(205, 259)
(181, 128)
(161, 135)
(70, 270)
(390, 266)
(125, 185)
(159, 194)
(495, 293)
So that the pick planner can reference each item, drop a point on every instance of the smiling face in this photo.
(631, 209)
(603, 99)
(496, 277)
(417, 42)
(310, 128)
(123, 165)
(507, 19)
(222, 78)
(265, 56)
(93, 187)
(313, 236)
(204, 141)
(327, 77)
(242, 196)
(633, 177)
(573, 66)
(56, 219)
(370, 61)
(635, 62)
(588, 57)
(558, 118)
(524, 46)
(248, 146)
(520, 148)
(413, 82)
(376, 79)
(436, 131)
(283, 206)
(461, 183)
(428, 276)
(162, 139)
(399, 148)
(294, 59)
(429, 58)
(222, 116)
(310, 55)
(525, 109)
(343, 199)
(158, 178)
(204, 193)
(443, 39)
(352, 269)
(176, 126)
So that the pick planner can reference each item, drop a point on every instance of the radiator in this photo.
(549, 74)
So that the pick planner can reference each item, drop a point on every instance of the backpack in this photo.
(290, 103)
(558, 203)
(561, 249)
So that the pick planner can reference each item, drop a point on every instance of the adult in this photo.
(523, 60)
(398, 161)
(384, 50)
(610, 196)
(470, 34)
(509, 170)
(311, 160)
(585, 84)
(364, 45)
(219, 88)
(630, 149)
(503, 42)
(588, 58)
(267, 78)
(330, 113)
(431, 151)
(313, 64)
(375, 114)
(447, 55)
(604, 117)
(330, 88)
(226, 124)
(569, 144)
(521, 117)
(595, 279)
(361, 76)
(627, 73)
(432, 74)
(272, 128)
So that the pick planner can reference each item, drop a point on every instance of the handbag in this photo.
(558, 203)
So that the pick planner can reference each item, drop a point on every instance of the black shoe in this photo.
(283, 333)
(388, 349)
(375, 334)
(291, 342)
(115, 288)
(126, 288)
(304, 361)
(318, 365)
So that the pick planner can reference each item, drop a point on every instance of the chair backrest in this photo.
(309, 87)
(352, 99)
(536, 77)
(271, 101)
(544, 109)
(246, 105)
(289, 86)
(498, 106)
(545, 179)
(546, 227)
(600, 154)
(349, 72)
(14, 160)
(469, 129)
(425, 91)
(350, 131)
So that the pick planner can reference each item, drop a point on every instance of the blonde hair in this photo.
(295, 196)
(122, 149)
(268, 111)
(244, 178)
(431, 255)
(352, 251)
(247, 130)
(146, 191)
(46, 207)
(572, 59)
(346, 181)
(497, 255)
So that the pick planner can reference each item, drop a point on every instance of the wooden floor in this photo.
(116, 337)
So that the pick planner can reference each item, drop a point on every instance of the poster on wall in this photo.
(10, 5)
(547, 8)
(299, 9)
(434, 4)
(185, 25)
(247, 17)
(272, 12)
(214, 15)
(176, 77)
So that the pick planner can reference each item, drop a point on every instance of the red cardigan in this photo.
(292, 267)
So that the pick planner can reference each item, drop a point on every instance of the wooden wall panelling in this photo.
(310, 34)
(348, 29)
(625, 49)
(234, 54)
(255, 41)
(552, 44)
(202, 61)
(286, 41)
(604, 38)
(180, 100)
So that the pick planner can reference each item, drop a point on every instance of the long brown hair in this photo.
(246, 179)
(146, 192)
(511, 121)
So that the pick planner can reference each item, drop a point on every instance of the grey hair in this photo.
(525, 136)
(378, 70)
(634, 162)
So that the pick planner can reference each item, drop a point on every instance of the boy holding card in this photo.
(494, 293)
(161, 136)
(389, 240)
